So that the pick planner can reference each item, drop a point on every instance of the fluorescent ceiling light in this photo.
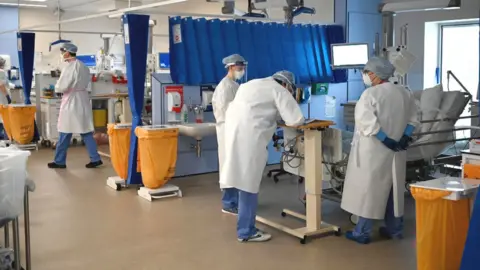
(22, 5)
(35, 0)
(153, 5)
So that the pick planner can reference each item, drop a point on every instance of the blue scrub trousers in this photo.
(230, 198)
(393, 224)
(3, 133)
(64, 142)
(247, 212)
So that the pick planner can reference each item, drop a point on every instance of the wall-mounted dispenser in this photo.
(206, 93)
(174, 101)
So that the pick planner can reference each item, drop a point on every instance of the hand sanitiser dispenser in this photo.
(174, 105)
(174, 102)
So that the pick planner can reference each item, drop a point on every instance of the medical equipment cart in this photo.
(313, 188)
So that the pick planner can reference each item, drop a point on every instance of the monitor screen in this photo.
(349, 55)
(88, 60)
(164, 62)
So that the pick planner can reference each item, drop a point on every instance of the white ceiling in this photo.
(104, 5)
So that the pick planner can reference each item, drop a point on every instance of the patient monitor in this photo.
(294, 147)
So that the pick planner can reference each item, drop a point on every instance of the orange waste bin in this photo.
(157, 147)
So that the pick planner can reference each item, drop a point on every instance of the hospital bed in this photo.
(435, 148)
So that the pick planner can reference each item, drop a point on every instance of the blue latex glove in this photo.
(389, 143)
(406, 138)
(409, 130)
(404, 142)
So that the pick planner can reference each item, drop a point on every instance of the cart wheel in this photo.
(284, 214)
(300, 180)
(42, 143)
(74, 141)
(275, 179)
(303, 241)
(47, 143)
(354, 219)
(269, 174)
(119, 187)
(338, 232)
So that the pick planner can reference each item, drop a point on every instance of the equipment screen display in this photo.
(349, 55)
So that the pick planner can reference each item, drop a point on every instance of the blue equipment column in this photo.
(135, 31)
(472, 245)
(26, 55)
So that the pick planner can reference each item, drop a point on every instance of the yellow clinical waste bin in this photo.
(157, 147)
(442, 216)
(22, 122)
(119, 144)
(99, 118)
(6, 120)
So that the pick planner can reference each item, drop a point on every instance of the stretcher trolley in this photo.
(14, 189)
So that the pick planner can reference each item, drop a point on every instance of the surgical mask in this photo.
(238, 74)
(366, 80)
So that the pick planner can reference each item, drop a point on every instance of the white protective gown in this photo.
(252, 121)
(372, 167)
(76, 109)
(223, 95)
(3, 81)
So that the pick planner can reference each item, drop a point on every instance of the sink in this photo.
(197, 130)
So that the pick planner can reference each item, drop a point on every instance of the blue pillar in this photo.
(472, 246)
(135, 29)
(26, 55)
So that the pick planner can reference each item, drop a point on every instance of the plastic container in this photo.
(157, 147)
(13, 175)
(184, 114)
(22, 122)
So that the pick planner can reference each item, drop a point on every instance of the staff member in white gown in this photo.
(385, 117)
(75, 109)
(251, 122)
(223, 95)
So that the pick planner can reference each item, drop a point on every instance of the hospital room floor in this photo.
(79, 223)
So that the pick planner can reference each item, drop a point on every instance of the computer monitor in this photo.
(164, 60)
(349, 55)
(88, 60)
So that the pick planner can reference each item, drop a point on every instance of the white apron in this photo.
(75, 112)
(373, 169)
(251, 122)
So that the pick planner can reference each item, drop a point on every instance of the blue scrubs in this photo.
(3, 133)
(394, 225)
(64, 142)
(247, 212)
(230, 198)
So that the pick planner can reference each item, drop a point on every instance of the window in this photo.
(459, 54)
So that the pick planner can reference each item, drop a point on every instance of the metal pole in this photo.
(16, 244)
(388, 30)
(6, 231)
(26, 205)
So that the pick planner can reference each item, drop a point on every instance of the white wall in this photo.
(416, 34)
(89, 44)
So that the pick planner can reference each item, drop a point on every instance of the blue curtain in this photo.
(198, 46)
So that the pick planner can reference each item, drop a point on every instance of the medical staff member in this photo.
(385, 117)
(223, 95)
(4, 94)
(251, 120)
(75, 109)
